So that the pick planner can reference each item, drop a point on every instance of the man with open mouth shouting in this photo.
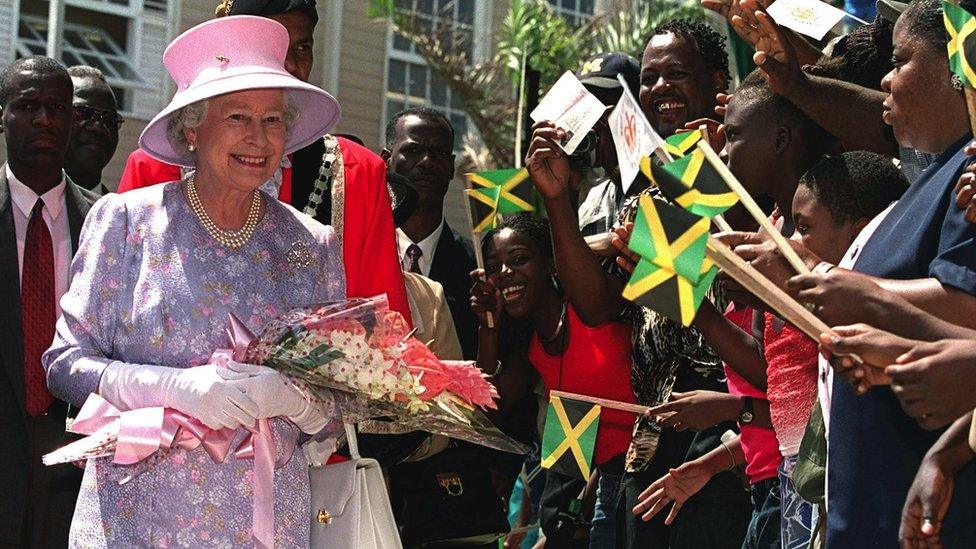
(683, 67)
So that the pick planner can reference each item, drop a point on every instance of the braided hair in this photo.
(532, 227)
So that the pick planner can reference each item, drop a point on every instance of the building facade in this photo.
(371, 71)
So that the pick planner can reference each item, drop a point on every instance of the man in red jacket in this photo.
(349, 194)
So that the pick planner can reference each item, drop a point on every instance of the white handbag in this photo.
(350, 504)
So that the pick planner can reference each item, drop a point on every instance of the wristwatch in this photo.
(746, 414)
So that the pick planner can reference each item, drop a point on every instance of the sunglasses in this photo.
(107, 119)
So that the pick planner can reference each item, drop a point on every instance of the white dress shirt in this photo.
(56, 216)
(427, 248)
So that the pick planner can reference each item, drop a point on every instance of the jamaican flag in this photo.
(692, 183)
(962, 41)
(570, 436)
(497, 193)
(680, 144)
(673, 275)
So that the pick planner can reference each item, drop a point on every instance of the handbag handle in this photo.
(352, 441)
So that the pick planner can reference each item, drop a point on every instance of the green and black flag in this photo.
(692, 183)
(498, 192)
(680, 144)
(961, 26)
(673, 275)
(570, 436)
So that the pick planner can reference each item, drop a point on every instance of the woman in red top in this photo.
(568, 355)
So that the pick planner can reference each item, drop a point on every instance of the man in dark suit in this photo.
(95, 133)
(41, 214)
(420, 146)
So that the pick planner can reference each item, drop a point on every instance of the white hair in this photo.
(192, 115)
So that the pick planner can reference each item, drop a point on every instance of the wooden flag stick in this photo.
(722, 224)
(704, 132)
(971, 107)
(719, 220)
(476, 243)
(612, 404)
(663, 155)
(520, 112)
(747, 275)
(784, 247)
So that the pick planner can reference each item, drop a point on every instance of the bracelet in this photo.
(823, 268)
(498, 369)
(731, 457)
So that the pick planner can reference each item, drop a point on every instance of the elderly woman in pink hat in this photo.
(155, 276)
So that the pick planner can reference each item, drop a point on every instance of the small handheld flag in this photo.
(570, 436)
(671, 238)
(498, 192)
(672, 275)
(961, 26)
(633, 135)
(692, 183)
(680, 144)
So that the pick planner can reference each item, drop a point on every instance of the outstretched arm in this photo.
(685, 481)
(594, 293)
(850, 112)
(741, 351)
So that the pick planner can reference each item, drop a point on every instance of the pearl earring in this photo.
(191, 147)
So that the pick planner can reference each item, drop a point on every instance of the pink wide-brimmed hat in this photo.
(232, 54)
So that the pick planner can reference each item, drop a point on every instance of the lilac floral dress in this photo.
(150, 286)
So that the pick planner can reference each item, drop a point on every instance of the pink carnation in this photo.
(470, 383)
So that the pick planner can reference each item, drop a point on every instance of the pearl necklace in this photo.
(230, 239)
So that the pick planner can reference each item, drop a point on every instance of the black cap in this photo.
(602, 69)
(891, 9)
(266, 8)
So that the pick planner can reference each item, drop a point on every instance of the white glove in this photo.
(277, 396)
(199, 392)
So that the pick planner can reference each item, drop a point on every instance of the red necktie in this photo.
(37, 309)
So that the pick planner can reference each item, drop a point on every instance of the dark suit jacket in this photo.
(15, 466)
(453, 263)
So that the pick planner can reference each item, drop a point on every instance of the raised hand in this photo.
(732, 8)
(547, 162)
(715, 129)
(485, 298)
(775, 54)
(626, 258)
(722, 104)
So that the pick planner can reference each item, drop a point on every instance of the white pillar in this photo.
(55, 28)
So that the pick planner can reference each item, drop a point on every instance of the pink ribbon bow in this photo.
(144, 431)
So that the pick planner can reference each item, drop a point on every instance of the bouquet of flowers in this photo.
(366, 351)
(358, 352)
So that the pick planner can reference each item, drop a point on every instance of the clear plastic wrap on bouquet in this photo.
(379, 374)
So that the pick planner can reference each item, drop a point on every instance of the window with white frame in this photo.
(575, 11)
(409, 81)
(82, 45)
(124, 39)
